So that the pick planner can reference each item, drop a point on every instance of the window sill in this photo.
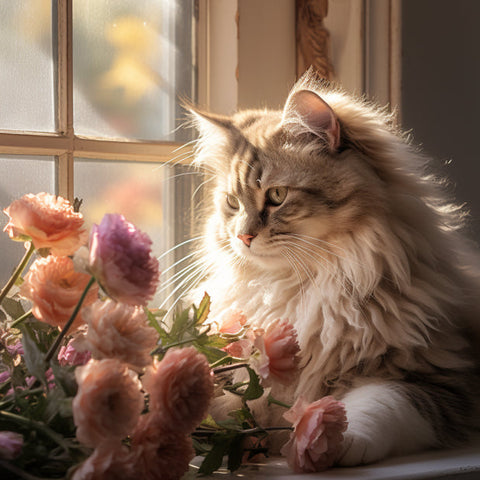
(463, 464)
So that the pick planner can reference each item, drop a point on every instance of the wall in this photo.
(440, 89)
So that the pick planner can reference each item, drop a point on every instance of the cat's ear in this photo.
(308, 112)
(210, 124)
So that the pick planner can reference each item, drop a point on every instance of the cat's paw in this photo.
(358, 450)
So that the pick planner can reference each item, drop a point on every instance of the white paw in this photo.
(359, 450)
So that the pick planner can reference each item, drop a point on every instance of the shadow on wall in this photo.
(440, 94)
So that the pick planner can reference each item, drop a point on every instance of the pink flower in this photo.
(108, 402)
(54, 288)
(48, 221)
(109, 461)
(121, 261)
(240, 349)
(232, 322)
(11, 444)
(278, 349)
(180, 387)
(318, 435)
(116, 330)
(73, 354)
(159, 454)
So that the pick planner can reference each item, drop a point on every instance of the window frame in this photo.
(64, 144)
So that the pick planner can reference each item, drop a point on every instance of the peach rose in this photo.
(48, 221)
(160, 455)
(116, 330)
(54, 288)
(278, 349)
(318, 434)
(180, 387)
(109, 461)
(108, 403)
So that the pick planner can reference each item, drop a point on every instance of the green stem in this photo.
(227, 368)
(21, 319)
(163, 349)
(40, 426)
(67, 326)
(277, 402)
(19, 472)
(17, 272)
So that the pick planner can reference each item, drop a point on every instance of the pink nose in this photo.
(245, 238)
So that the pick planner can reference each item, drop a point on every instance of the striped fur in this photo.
(365, 257)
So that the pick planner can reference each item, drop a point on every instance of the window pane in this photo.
(26, 66)
(20, 175)
(132, 58)
(145, 194)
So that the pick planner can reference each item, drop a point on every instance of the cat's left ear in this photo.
(308, 112)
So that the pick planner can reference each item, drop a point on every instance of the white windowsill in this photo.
(463, 464)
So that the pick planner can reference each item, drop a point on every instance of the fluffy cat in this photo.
(325, 215)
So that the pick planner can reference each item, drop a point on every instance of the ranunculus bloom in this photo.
(232, 322)
(316, 441)
(109, 461)
(278, 349)
(48, 221)
(121, 260)
(11, 444)
(116, 330)
(108, 402)
(54, 288)
(181, 387)
(159, 454)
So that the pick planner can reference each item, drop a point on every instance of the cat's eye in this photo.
(276, 195)
(233, 202)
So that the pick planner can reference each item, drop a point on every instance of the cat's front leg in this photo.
(382, 422)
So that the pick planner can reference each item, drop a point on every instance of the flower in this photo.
(54, 288)
(73, 353)
(116, 330)
(109, 461)
(11, 444)
(48, 221)
(181, 387)
(240, 349)
(121, 261)
(160, 455)
(232, 322)
(108, 402)
(278, 349)
(318, 433)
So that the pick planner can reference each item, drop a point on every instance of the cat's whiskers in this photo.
(291, 261)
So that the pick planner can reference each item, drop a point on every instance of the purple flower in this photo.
(121, 261)
(70, 355)
(10, 445)
(4, 376)
(15, 349)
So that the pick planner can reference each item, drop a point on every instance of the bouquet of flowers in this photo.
(94, 384)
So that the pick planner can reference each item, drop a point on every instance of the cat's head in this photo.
(289, 184)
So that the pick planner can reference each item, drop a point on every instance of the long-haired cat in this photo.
(325, 215)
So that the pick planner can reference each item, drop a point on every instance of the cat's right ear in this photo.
(307, 112)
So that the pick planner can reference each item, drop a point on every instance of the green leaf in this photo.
(13, 307)
(201, 314)
(34, 357)
(213, 460)
(254, 389)
(235, 454)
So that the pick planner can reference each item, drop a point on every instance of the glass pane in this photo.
(132, 59)
(145, 194)
(20, 175)
(26, 66)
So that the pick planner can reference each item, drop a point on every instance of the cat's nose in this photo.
(246, 238)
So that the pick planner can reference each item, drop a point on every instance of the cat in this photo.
(325, 214)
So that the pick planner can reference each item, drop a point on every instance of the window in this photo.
(89, 108)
